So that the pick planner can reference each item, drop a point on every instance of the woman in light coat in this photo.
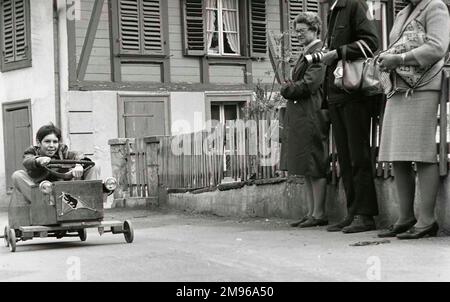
(410, 120)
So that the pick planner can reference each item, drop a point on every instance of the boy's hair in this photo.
(46, 130)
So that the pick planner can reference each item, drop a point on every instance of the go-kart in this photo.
(62, 208)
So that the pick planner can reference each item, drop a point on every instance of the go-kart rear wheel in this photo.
(12, 240)
(6, 234)
(128, 231)
(83, 234)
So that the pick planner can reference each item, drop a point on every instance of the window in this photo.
(140, 27)
(231, 27)
(15, 34)
(222, 27)
(223, 113)
(139, 31)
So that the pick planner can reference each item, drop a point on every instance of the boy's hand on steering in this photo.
(77, 171)
(43, 161)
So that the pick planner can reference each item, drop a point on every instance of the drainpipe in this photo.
(56, 64)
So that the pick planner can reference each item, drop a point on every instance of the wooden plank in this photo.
(204, 182)
(373, 148)
(220, 155)
(443, 146)
(138, 172)
(379, 170)
(333, 158)
(129, 171)
(145, 179)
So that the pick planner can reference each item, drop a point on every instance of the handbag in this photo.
(359, 75)
(413, 36)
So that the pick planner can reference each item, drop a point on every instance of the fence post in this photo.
(118, 151)
(152, 147)
(443, 147)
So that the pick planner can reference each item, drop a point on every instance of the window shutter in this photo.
(130, 39)
(312, 6)
(21, 31)
(8, 31)
(152, 28)
(258, 28)
(15, 42)
(398, 6)
(194, 28)
(295, 8)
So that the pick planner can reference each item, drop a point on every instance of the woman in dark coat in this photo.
(307, 124)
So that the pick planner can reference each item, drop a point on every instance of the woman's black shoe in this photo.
(416, 233)
(397, 229)
(312, 222)
(298, 222)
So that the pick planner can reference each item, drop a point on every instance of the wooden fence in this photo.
(236, 152)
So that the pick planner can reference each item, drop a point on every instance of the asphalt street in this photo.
(177, 246)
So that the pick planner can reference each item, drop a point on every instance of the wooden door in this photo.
(142, 116)
(17, 136)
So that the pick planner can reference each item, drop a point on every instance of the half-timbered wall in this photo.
(182, 69)
(99, 64)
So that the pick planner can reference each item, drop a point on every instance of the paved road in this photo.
(174, 246)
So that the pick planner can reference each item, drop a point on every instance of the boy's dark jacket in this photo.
(38, 173)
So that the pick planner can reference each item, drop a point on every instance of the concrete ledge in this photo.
(287, 200)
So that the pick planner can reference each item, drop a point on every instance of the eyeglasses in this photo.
(301, 31)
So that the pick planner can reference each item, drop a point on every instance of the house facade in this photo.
(103, 69)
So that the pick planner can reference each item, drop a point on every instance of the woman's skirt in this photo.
(409, 128)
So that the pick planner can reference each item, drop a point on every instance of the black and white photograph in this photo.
(227, 148)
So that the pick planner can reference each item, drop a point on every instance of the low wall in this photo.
(284, 199)
(287, 200)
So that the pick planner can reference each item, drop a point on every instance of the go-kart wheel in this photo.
(12, 240)
(6, 234)
(83, 234)
(128, 231)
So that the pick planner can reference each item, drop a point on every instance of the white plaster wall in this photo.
(187, 112)
(105, 124)
(35, 83)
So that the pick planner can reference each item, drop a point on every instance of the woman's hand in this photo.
(284, 87)
(77, 171)
(388, 62)
(43, 161)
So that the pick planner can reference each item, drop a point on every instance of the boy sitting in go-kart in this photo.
(48, 147)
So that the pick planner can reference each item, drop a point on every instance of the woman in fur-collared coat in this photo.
(307, 124)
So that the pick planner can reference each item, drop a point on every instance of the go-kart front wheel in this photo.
(128, 231)
(83, 234)
(12, 240)
(5, 236)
